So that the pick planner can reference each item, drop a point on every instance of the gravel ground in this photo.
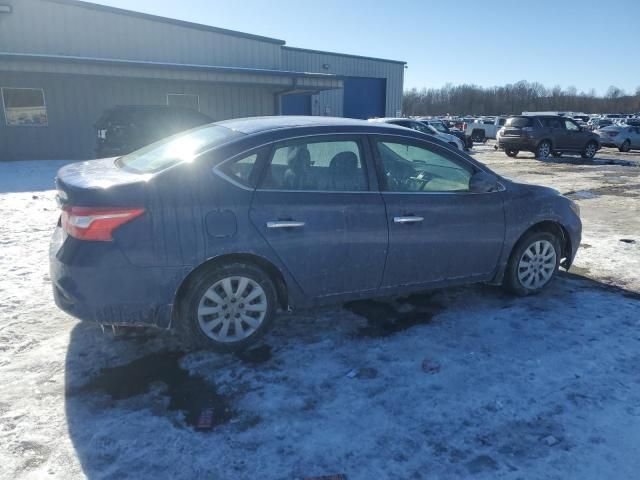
(458, 383)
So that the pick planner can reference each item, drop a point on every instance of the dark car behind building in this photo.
(125, 128)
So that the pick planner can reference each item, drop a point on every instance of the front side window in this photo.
(410, 168)
(571, 126)
(24, 107)
(332, 165)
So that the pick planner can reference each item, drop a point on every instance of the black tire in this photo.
(469, 143)
(557, 154)
(187, 322)
(544, 149)
(626, 146)
(478, 136)
(512, 153)
(589, 150)
(511, 281)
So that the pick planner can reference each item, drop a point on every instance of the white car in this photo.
(623, 137)
(421, 127)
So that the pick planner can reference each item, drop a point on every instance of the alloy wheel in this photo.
(537, 265)
(544, 150)
(590, 150)
(232, 309)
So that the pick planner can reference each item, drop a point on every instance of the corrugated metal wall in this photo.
(75, 102)
(55, 28)
(308, 61)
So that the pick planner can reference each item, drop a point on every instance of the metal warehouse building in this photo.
(63, 62)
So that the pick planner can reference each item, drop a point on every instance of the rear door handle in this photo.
(408, 219)
(285, 224)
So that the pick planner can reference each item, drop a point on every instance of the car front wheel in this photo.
(590, 150)
(544, 149)
(227, 308)
(533, 264)
(626, 146)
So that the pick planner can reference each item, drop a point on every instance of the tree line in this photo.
(514, 99)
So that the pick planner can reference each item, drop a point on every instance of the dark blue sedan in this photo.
(213, 230)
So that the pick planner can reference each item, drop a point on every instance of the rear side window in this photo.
(242, 169)
(518, 122)
(550, 122)
(316, 165)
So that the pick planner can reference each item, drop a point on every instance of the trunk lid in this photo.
(98, 183)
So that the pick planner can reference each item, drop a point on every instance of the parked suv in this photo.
(125, 128)
(546, 135)
(211, 231)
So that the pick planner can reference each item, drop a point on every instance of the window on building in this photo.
(184, 100)
(24, 107)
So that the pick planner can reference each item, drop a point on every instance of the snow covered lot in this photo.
(458, 383)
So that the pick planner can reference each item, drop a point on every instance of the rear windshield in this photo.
(518, 122)
(182, 147)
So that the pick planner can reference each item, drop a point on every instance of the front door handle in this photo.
(408, 219)
(285, 224)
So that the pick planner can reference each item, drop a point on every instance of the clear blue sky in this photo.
(582, 43)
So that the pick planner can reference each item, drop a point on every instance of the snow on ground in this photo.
(458, 383)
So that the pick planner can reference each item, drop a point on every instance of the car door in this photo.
(576, 138)
(634, 133)
(438, 230)
(315, 209)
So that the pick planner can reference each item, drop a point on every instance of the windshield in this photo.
(182, 147)
(518, 122)
(438, 126)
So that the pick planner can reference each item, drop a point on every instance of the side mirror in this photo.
(483, 182)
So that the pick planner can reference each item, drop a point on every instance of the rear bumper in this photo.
(93, 281)
(516, 143)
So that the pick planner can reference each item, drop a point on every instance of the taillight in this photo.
(98, 224)
(464, 126)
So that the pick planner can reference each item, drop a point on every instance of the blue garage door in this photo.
(296, 104)
(364, 97)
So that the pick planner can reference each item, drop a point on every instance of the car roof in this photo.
(252, 125)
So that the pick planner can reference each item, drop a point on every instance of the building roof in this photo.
(171, 21)
(322, 52)
(208, 28)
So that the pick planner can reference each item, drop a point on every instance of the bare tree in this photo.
(468, 99)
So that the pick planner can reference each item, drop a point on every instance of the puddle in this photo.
(385, 318)
(189, 394)
(255, 356)
(628, 190)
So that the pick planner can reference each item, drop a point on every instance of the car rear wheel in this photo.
(626, 146)
(512, 153)
(227, 308)
(590, 150)
(533, 263)
(544, 149)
